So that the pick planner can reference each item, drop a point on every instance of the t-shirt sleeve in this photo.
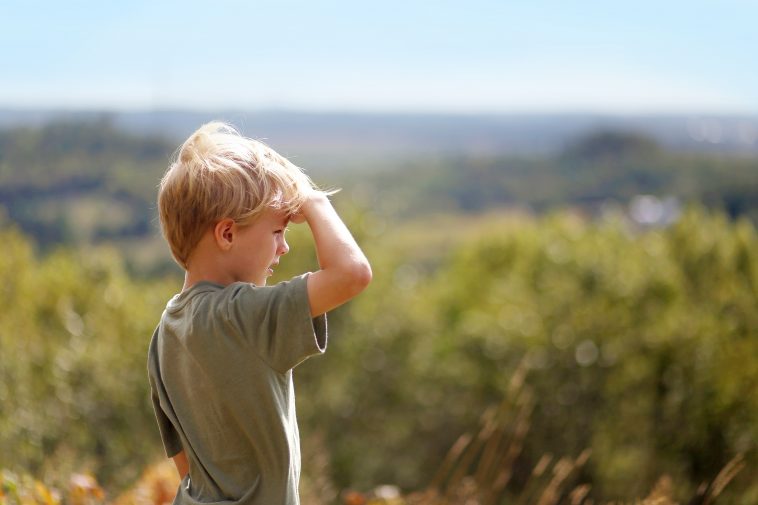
(172, 444)
(276, 321)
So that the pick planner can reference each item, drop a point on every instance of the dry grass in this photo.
(482, 483)
(476, 471)
(479, 467)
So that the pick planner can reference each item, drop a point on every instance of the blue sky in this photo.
(413, 56)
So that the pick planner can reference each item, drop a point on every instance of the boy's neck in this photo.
(205, 265)
(192, 277)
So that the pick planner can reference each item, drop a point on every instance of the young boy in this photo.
(220, 361)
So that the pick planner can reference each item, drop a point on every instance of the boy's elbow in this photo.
(360, 276)
(365, 275)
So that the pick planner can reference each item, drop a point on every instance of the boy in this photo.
(220, 361)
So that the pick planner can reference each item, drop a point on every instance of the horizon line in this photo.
(326, 111)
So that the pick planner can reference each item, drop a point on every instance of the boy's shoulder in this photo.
(272, 321)
(237, 288)
(212, 295)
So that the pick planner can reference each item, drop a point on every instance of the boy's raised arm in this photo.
(344, 270)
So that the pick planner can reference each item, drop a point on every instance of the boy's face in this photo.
(258, 246)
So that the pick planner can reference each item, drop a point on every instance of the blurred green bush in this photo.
(640, 344)
(74, 331)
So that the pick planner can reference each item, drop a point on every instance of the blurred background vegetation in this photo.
(614, 276)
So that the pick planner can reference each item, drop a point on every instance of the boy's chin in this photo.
(262, 279)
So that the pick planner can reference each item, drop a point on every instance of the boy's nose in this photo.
(283, 247)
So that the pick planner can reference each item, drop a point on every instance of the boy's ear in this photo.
(224, 232)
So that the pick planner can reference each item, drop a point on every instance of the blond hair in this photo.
(217, 174)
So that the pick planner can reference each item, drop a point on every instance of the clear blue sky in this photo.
(475, 56)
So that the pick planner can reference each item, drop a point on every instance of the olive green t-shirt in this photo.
(220, 367)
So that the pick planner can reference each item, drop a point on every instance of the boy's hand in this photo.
(301, 216)
(297, 217)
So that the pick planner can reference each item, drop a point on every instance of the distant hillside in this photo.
(601, 169)
(93, 181)
(328, 141)
(79, 183)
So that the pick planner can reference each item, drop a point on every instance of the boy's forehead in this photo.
(277, 215)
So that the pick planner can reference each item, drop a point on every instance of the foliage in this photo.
(640, 346)
(88, 182)
(79, 183)
(637, 344)
(611, 144)
(607, 167)
(550, 482)
(74, 331)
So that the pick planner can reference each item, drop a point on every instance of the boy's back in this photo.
(217, 363)
(220, 361)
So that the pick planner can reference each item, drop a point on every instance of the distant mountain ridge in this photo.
(324, 138)
(89, 178)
